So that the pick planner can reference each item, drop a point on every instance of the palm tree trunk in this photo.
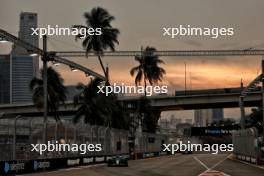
(103, 68)
(145, 86)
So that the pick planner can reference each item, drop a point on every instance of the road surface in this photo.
(177, 165)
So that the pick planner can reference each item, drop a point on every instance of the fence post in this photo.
(242, 112)
(14, 137)
(105, 147)
(65, 132)
(74, 137)
(56, 131)
(30, 136)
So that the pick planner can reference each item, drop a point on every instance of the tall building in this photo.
(27, 21)
(22, 73)
(15, 76)
(218, 114)
(4, 79)
(164, 124)
(174, 122)
(203, 117)
(24, 67)
(190, 121)
(18, 68)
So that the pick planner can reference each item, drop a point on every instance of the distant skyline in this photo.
(141, 23)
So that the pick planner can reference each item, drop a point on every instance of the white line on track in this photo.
(211, 168)
(71, 168)
(200, 162)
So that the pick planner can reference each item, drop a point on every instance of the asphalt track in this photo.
(176, 165)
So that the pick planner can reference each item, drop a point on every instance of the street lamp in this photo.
(3, 40)
(55, 63)
(32, 54)
(73, 69)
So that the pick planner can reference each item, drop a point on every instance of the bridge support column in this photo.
(262, 65)
(242, 111)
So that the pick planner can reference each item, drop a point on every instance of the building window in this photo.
(31, 17)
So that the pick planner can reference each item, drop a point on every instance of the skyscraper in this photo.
(203, 117)
(27, 21)
(18, 68)
(24, 67)
(218, 114)
(22, 73)
(4, 79)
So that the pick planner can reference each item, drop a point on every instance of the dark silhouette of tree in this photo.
(97, 108)
(56, 91)
(99, 18)
(225, 122)
(255, 119)
(147, 115)
(148, 68)
(151, 117)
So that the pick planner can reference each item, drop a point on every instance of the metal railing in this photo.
(18, 133)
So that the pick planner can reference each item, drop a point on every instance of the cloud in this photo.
(193, 43)
(254, 44)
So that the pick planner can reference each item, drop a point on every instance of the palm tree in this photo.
(148, 68)
(99, 109)
(147, 115)
(91, 104)
(99, 18)
(56, 91)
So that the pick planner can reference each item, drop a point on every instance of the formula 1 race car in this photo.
(117, 161)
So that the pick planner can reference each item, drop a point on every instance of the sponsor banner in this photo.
(162, 153)
(88, 160)
(212, 131)
(126, 156)
(253, 160)
(247, 158)
(41, 165)
(148, 155)
(8, 168)
(100, 159)
(108, 158)
(73, 162)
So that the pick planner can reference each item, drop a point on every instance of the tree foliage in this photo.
(97, 108)
(56, 91)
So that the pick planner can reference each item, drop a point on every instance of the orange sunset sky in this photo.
(141, 23)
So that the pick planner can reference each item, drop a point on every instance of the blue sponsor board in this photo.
(12, 168)
(40, 165)
(212, 131)
(29, 166)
